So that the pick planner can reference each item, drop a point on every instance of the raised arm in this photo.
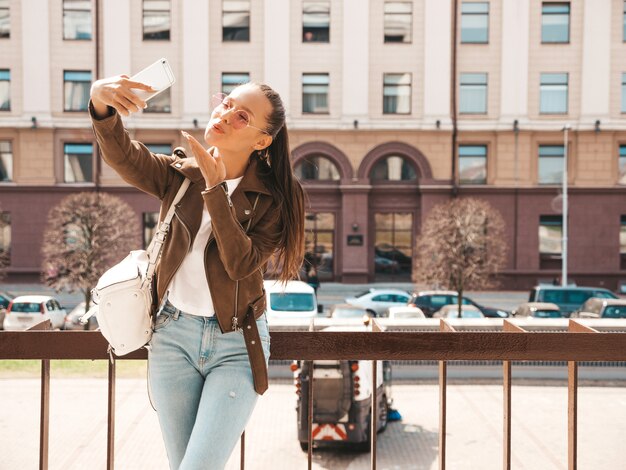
(131, 159)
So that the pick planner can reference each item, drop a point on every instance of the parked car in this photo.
(295, 299)
(568, 298)
(431, 301)
(342, 404)
(72, 319)
(5, 300)
(538, 310)
(349, 311)
(404, 311)
(27, 310)
(601, 308)
(376, 301)
(452, 311)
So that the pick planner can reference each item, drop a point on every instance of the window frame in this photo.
(405, 161)
(143, 22)
(399, 86)
(542, 76)
(547, 221)
(486, 162)
(466, 14)
(303, 25)
(234, 84)
(539, 156)
(621, 164)
(6, 8)
(64, 9)
(93, 163)
(249, 11)
(387, 14)
(474, 84)
(75, 81)
(318, 74)
(10, 152)
(306, 160)
(8, 80)
(569, 20)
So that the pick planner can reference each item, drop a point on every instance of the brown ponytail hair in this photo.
(276, 170)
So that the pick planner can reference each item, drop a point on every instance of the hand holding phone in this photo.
(158, 75)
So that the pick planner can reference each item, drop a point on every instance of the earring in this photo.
(265, 156)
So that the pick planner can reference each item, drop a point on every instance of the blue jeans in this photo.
(202, 387)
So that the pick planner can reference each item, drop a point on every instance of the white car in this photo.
(26, 311)
(294, 299)
(402, 312)
(376, 301)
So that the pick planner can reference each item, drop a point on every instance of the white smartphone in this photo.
(158, 75)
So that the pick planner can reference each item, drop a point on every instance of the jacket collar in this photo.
(189, 168)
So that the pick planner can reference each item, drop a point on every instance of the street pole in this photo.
(565, 210)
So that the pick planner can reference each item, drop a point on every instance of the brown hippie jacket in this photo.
(234, 260)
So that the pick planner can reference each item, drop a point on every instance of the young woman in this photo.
(210, 348)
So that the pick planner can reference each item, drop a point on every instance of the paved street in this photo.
(78, 429)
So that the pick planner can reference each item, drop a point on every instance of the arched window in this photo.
(317, 167)
(393, 168)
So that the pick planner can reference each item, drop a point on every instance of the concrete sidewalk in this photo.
(475, 423)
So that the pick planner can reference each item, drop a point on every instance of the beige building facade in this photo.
(391, 110)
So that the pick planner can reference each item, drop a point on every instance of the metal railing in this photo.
(510, 342)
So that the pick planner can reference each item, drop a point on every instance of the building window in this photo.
(473, 94)
(230, 81)
(555, 22)
(150, 226)
(164, 149)
(5, 90)
(5, 19)
(622, 164)
(156, 19)
(236, 20)
(78, 163)
(550, 239)
(5, 239)
(397, 93)
(473, 164)
(551, 164)
(161, 103)
(315, 93)
(76, 19)
(6, 161)
(623, 92)
(393, 168)
(76, 88)
(315, 21)
(393, 245)
(398, 21)
(319, 244)
(317, 168)
(475, 23)
(553, 93)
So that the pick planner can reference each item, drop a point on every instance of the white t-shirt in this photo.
(189, 289)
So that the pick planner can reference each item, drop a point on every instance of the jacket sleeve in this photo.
(131, 159)
(241, 253)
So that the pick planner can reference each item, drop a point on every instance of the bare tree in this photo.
(461, 246)
(86, 234)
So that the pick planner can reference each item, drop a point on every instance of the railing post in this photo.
(44, 410)
(111, 417)
(508, 327)
(443, 399)
(374, 417)
(242, 451)
(572, 400)
(310, 407)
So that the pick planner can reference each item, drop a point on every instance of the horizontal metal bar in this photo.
(342, 345)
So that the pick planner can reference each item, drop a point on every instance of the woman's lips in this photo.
(217, 129)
